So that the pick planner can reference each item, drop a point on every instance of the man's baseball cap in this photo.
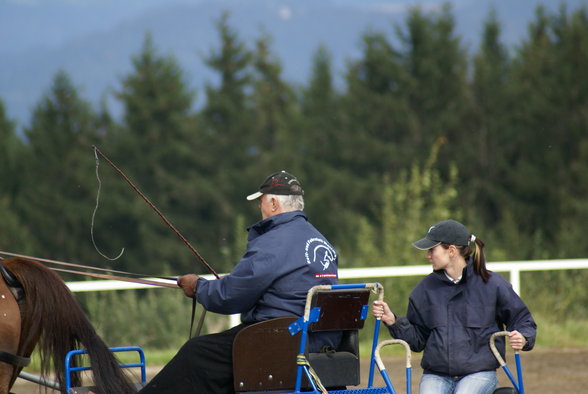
(280, 183)
(448, 232)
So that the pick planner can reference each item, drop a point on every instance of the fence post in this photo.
(515, 280)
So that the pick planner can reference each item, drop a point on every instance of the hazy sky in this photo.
(99, 15)
(42, 36)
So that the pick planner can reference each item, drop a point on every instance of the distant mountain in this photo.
(94, 40)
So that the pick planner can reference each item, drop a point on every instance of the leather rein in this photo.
(160, 282)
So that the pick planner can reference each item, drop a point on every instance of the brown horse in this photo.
(41, 310)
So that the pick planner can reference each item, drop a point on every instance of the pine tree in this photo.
(10, 150)
(55, 197)
(378, 119)
(274, 103)
(230, 153)
(436, 62)
(548, 132)
(226, 115)
(158, 149)
(322, 138)
(488, 140)
(15, 236)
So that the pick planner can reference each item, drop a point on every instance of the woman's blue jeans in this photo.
(476, 383)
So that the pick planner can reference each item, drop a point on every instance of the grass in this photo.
(561, 334)
(551, 335)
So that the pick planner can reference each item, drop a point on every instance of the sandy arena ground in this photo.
(545, 371)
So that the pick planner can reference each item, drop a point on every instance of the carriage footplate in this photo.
(92, 389)
(370, 390)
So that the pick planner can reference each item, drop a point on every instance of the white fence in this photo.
(514, 268)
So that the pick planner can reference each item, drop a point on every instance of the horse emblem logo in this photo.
(318, 250)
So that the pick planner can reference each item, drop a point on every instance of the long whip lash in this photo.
(171, 226)
(94, 215)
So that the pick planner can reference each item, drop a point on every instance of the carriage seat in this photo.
(265, 353)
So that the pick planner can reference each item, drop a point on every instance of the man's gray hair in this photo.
(290, 203)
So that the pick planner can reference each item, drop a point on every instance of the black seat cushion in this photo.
(340, 368)
(505, 390)
(336, 369)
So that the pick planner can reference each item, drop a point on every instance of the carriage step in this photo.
(92, 389)
(371, 390)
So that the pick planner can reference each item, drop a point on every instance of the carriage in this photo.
(268, 357)
(272, 356)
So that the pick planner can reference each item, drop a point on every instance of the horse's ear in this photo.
(9, 278)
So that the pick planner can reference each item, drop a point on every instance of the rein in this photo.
(97, 275)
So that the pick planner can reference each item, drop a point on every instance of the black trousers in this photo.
(203, 365)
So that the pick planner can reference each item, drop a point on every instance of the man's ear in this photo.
(275, 204)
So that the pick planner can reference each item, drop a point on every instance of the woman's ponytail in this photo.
(479, 258)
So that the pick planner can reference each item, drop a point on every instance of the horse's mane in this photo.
(52, 315)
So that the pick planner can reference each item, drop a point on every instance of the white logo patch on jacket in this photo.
(317, 250)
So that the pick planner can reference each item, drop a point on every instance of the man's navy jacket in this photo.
(285, 257)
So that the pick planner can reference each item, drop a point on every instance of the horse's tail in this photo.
(52, 315)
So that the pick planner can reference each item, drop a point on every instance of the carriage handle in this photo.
(517, 385)
(382, 367)
(495, 350)
(375, 287)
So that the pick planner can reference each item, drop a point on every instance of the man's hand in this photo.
(188, 283)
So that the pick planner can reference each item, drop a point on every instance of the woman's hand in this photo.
(381, 311)
(516, 340)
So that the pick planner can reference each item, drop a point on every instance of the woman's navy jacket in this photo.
(453, 323)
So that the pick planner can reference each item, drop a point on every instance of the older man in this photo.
(285, 257)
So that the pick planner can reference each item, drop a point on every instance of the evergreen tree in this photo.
(572, 54)
(548, 131)
(275, 133)
(322, 138)
(230, 150)
(56, 192)
(377, 130)
(321, 109)
(11, 148)
(226, 102)
(15, 236)
(488, 140)
(436, 62)
(157, 149)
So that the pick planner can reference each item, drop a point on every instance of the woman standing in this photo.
(453, 312)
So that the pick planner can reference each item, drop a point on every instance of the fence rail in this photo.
(514, 268)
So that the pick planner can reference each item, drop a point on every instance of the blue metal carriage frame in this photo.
(517, 382)
(71, 354)
(311, 315)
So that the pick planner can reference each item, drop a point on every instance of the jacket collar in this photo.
(265, 225)
(467, 272)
